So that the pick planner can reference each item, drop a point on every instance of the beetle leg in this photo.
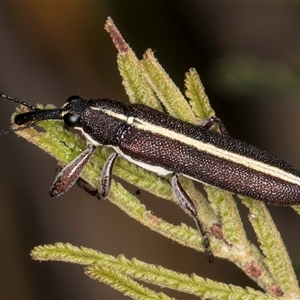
(210, 122)
(187, 204)
(105, 180)
(87, 187)
(69, 174)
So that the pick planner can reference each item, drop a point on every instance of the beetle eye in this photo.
(73, 98)
(71, 120)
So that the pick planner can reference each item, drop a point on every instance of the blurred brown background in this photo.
(247, 55)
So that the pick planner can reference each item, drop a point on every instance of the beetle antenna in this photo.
(9, 98)
(3, 132)
(6, 97)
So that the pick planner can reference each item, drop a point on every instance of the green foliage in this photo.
(119, 271)
(146, 82)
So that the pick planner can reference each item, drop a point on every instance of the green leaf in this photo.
(118, 271)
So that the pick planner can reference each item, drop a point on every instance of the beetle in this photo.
(165, 145)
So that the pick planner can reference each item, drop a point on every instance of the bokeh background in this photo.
(247, 55)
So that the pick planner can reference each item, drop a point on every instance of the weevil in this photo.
(165, 145)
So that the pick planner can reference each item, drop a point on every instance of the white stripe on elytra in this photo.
(205, 147)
